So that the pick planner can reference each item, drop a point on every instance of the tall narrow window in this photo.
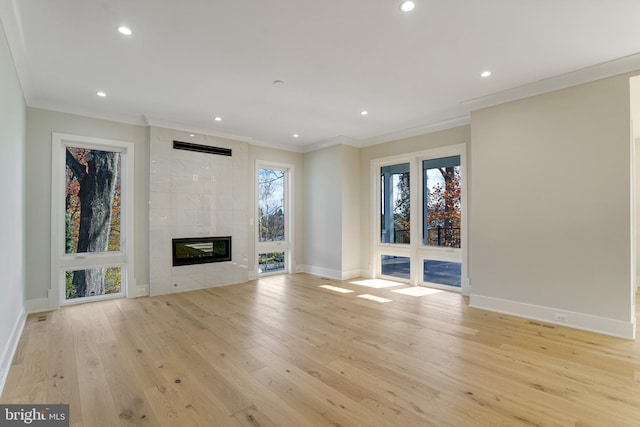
(91, 217)
(395, 209)
(442, 220)
(271, 209)
(442, 209)
(273, 220)
(92, 200)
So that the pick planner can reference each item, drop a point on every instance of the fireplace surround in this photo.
(195, 194)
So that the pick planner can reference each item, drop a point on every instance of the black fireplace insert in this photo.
(201, 250)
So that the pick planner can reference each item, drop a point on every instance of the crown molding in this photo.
(626, 64)
(11, 25)
(280, 146)
(185, 127)
(203, 130)
(430, 127)
(88, 112)
(336, 140)
(10, 22)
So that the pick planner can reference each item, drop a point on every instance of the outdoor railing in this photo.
(402, 236)
(443, 236)
(436, 236)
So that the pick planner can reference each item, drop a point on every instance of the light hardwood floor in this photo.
(283, 351)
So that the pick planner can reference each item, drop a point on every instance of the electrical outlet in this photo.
(562, 317)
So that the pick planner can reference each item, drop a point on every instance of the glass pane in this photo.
(270, 205)
(270, 262)
(395, 223)
(92, 201)
(397, 266)
(443, 272)
(442, 210)
(93, 282)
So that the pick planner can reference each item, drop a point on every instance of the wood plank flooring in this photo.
(284, 351)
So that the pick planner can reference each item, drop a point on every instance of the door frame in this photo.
(123, 258)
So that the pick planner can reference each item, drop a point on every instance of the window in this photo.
(395, 207)
(274, 219)
(396, 266)
(420, 221)
(442, 208)
(271, 205)
(92, 194)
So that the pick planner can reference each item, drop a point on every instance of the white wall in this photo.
(351, 214)
(40, 125)
(634, 90)
(550, 208)
(12, 188)
(323, 237)
(332, 233)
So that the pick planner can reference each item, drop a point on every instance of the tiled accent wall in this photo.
(196, 195)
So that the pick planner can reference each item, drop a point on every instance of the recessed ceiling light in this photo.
(101, 94)
(125, 30)
(407, 6)
(278, 82)
(192, 135)
(217, 119)
(295, 135)
(364, 112)
(485, 73)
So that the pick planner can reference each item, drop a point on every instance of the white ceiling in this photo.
(190, 60)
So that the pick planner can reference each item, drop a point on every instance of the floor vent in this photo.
(42, 318)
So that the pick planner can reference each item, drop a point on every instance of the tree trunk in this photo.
(449, 187)
(97, 188)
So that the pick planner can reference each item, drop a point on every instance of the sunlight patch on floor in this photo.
(374, 298)
(417, 291)
(377, 283)
(336, 289)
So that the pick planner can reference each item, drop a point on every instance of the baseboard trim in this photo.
(351, 274)
(333, 274)
(10, 349)
(155, 292)
(37, 305)
(323, 272)
(586, 322)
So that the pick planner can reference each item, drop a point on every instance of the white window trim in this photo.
(288, 247)
(124, 259)
(416, 252)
